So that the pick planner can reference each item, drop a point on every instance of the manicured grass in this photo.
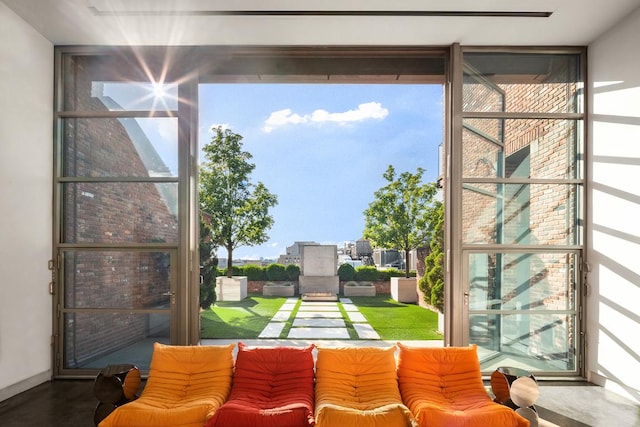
(397, 321)
(391, 319)
(239, 319)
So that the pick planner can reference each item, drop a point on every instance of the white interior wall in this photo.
(614, 209)
(26, 94)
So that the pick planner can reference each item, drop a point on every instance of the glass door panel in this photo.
(522, 309)
(521, 186)
(120, 196)
(116, 305)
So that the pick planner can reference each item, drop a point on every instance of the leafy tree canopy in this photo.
(239, 209)
(401, 215)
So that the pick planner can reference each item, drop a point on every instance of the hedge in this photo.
(279, 272)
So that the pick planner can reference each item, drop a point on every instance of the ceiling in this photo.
(326, 22)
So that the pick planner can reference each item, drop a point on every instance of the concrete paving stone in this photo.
(319, 303)
(366, 331)
(346, 300)
(356, 317)
(319, 314)
(287, 307)
(319, 323)
(318, 333)
(292, 300)
(272, 330)
(282, 315)
(318, 308)
(349, 307)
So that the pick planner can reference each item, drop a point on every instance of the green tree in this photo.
(432, 284)
(208, 265)
(239, 209)
(400, 215)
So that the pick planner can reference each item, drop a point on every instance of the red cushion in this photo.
(271, 387)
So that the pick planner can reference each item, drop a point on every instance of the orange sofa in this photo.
(443, 388)
(358, 386)
(195, 386)
(185, 387)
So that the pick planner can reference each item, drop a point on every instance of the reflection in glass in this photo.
(522, 308)
(112, 212)
(94, 340)
(522, 281)
(521, 214)
(117, 83)
(535, 342)
(134, 96)
(124, 147)
(523, 148)
(117, 279)
(527, 82)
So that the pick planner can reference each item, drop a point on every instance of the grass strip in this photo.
(239, 319)
(398, 321)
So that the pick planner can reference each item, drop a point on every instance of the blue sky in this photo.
(322, 149)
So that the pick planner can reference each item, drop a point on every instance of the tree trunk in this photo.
(229, 261)
(406, 263)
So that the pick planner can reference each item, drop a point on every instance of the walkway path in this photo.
(319, 320)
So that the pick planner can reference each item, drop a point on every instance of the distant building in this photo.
(294, 253)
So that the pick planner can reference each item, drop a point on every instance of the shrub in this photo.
(207, 294)
(292, 271)
(254, 272)
(346, 272)
(276, 272)
(432, 284)
(366, 273)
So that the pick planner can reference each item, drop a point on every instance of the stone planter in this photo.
(404, 289)
(231, 288)
(277, 290)
(363, 289)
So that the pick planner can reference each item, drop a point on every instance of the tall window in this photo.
(118, 217)
(521, 199)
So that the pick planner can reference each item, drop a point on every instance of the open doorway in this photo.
(322, 148)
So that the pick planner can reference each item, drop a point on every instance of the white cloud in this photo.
(168, 129)
(366, 111)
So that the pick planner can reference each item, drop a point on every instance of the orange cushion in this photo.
(443, 387)
(357, 386)
(272, 386)
(185, 386)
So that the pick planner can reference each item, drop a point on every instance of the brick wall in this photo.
(531, 214)
(109, 213)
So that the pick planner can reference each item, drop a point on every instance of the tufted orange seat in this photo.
(185, 386)
(443, 388)
(358, 387)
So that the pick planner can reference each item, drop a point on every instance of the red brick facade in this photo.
(111, 213)
(522, 214)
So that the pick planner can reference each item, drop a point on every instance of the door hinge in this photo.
(580, 362)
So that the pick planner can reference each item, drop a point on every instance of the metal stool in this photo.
(518, 389)
(115, 385)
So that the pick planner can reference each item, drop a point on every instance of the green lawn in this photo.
(239, 319)
(247, 318)
(397, 321)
